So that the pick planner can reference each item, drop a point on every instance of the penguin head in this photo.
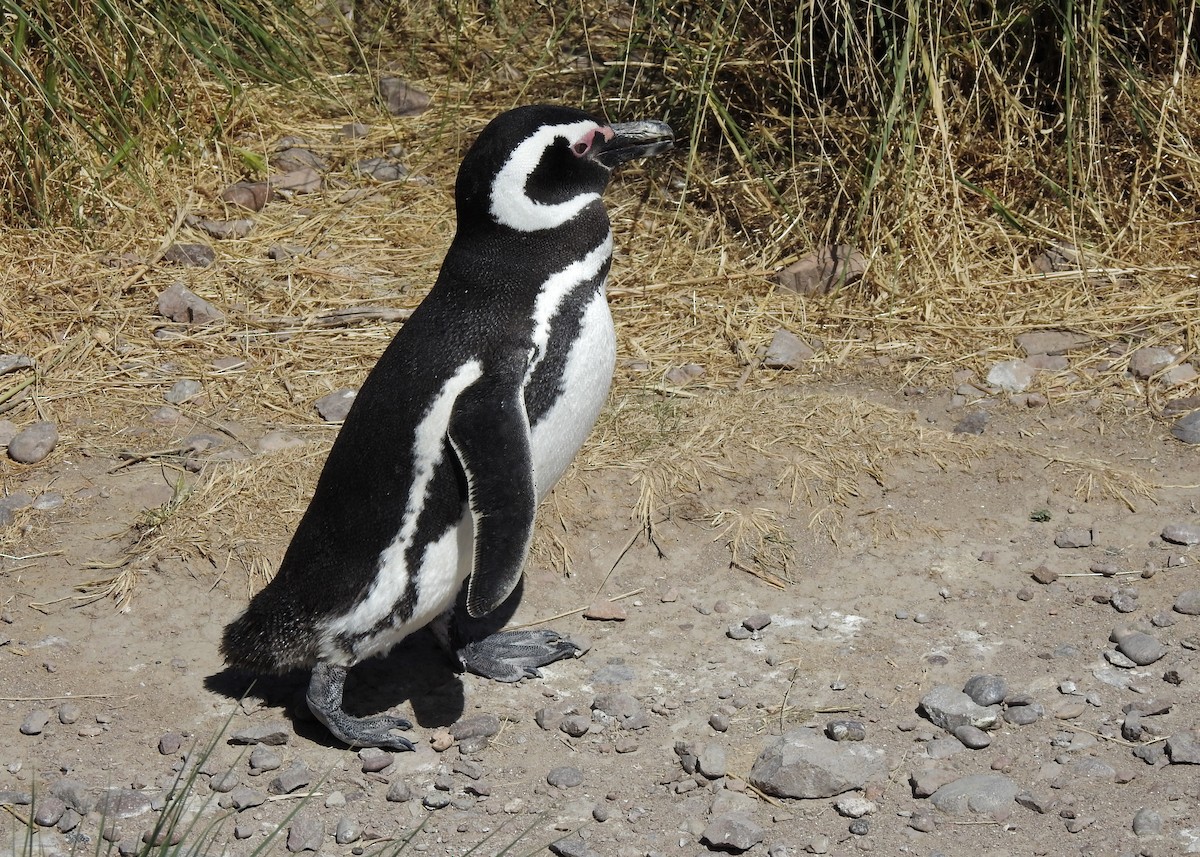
(538, 167)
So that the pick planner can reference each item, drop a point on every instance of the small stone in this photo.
(33, 443)
(804, 764)
(441, 741)
(347, 831)
(222, 230)
(49, 811)
(922, 822)
(826, 268)
(738, 632)
(564, 777)
(1149, 360)
(334, 406)
(123, 803)
(605, 611)
(169, 744)
(787, 351)
(859, 827)
(304, 180)
(1051, 342)
(402, 98)
(273, 734)
(986, 689)
(575, 725)
(381, 169)
(1011, 376)
(846, 730)
(252, 196)
(1044, 575)
(399, 792)
(1141, 648)
(1188, 602)
(224, 782)
(719, 722)
(989, 794)
(1080, 823)
(711, 761)
(354, 130)
(374, 760)
(35, 721)
(973, 422)
(436, 800)
(297, 776)
(949, 708)
(1181, 534)
(681, 375)
(1069, 710)
(190, 256)
(1147, 822)
(572, 846)
(263, 760)
(972, 737)
(757, 622)
(1183, 748)
(1074, 537)
(854, 806)
(305, 833)
(732, 831)
(1124, 601)
(1187, 428)
(69, 713)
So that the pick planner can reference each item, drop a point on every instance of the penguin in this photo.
(475, 409)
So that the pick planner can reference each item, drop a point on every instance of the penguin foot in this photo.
(514, 655)
(325, 701)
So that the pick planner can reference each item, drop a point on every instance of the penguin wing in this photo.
(489, 432)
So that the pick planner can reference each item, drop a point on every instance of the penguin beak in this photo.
(634, 140)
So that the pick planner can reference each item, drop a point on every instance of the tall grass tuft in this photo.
(91, 90)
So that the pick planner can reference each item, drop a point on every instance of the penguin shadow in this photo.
(419, 670)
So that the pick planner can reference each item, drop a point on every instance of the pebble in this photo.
(950, 708)
(305, 833)
(854, 806)
(122, 803)
(476, 726)
(860, 827)
(1011, 376)
(733, 830)
(719, 722)
(183, 391)
(1069, 710)
(986, 689)
(757, 621)
(711, 761)
(374, 760)
(180, 304)
(572, 846)
(1187, 428)
(738, 632)
(564, 777)
(169, 743)
(846, 730)
(1182, 534)
(297, 776)
(273, 734)
(436, 800)
(989, 794)
(241, 798)
(922, 822)
(347, 831)
(575, 725)
(33, 443)
(605, 611)
(1147, 822)
(263, 760)
(1124, 601)
(1044, 575)
(1141, 648)
(1074, 537)
(803, 763)
(787, 351)
(972, 737)
(35, 721)
(1083, 822)
(1188, 602)
(1183, 748)
(334, 406)
(49, 811)
(399, 792)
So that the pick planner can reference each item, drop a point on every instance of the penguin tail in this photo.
(265, 640)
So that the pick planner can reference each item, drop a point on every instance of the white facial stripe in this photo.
(555, 290)
(393, 573)
(512, 207)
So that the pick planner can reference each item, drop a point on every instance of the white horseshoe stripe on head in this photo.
(511, 206)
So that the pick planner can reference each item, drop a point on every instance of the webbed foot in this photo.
(514, 655)
(325, 701)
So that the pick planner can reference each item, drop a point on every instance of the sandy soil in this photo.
(928, 584)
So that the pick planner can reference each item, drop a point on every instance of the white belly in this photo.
(563, 429)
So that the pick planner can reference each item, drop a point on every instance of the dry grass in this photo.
(691, 284)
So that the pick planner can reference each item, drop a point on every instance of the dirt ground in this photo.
(927, 583)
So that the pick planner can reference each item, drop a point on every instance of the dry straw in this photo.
(951, 223)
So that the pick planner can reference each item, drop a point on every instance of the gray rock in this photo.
(13, 362)
(169, 743)
(69, 713)
(1149, 360)
(273, 734)
(436, 800)
(292, 157)
(854, 806)
(1187, 428)
(179, 304)
(399, 792)
(972, 737)
(183, 390)
(347, 831)
(381, 169)
(928, 780)
(824, 269)
(49, 811)
(711, 761)
(1182, 534)
(224, 782)
(222, 230)
(1011, 376)
(734, 831)
(1074, 537)
(402, 98)
(564, 777)
(1183, 748)
(334, 406)
(190, 256)
(35, 721)
(305, 833)
(620, 706)
(263, 760)
(846, 730)
(757, 622)
(1051, 342)
(1141, 648)
(787, 351)
(374, 760)
(297, 776)
(33, 443)
(973, 422)
(738, 631)
(1147, 822)
(354, 130)
(990, 794)
(1118, 660)
(277, 440)
(805, 764)
(1188, 602)
(252, 196)
(950, 708)
(1092, 768)
(76, 794)
(122, 803)
(572, 845)
(986, 689)
(575, 725)
(681, 375)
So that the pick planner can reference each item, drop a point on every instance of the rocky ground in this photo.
(989, 661)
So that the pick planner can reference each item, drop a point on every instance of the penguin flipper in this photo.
(489, 432)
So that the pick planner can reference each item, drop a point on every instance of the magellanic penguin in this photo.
(470, 416)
